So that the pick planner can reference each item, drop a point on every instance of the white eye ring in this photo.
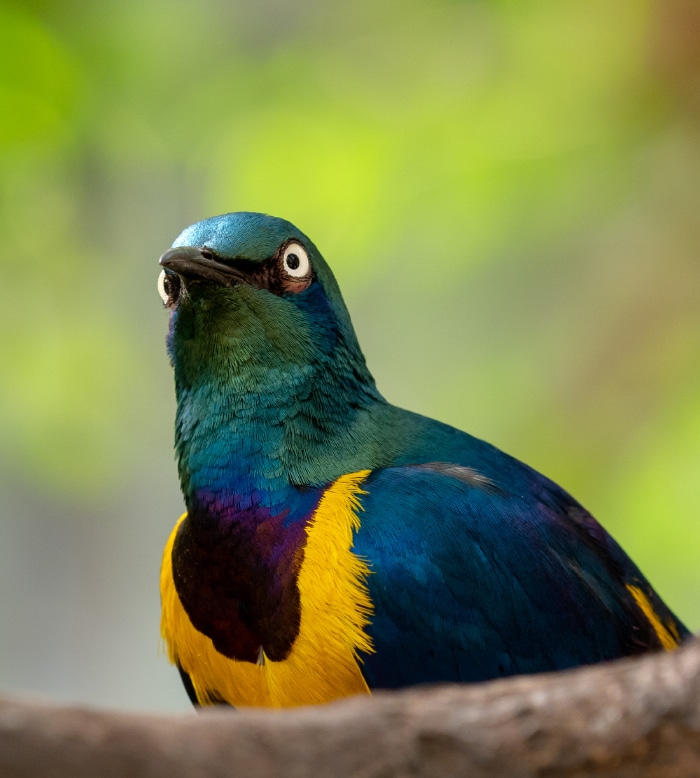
(164, 296)
(295, 261)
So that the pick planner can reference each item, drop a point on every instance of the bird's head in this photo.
(255, 307)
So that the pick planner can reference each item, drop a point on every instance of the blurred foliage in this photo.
(507, 192)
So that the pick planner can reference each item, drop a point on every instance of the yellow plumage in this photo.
(666, 632)
(335, 606)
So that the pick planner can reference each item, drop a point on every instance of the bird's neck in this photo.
(246, 448)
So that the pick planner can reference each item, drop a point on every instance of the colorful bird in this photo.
(334, 543)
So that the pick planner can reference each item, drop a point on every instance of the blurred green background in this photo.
(508, 192)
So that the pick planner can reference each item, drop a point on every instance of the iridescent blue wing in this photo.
(471, 581)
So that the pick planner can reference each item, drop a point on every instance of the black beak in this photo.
(193, 264)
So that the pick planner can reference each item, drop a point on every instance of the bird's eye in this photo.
(295, 261)
(168, 288)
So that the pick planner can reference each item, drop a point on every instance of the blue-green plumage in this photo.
(480, 566)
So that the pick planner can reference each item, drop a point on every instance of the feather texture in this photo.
(334, 543)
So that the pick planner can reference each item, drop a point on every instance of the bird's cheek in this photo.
(182, 325)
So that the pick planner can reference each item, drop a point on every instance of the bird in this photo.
(334, 544)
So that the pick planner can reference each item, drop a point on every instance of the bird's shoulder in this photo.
(474, 548)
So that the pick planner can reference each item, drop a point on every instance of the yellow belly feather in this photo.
(335, 609)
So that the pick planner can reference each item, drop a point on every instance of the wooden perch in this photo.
(629, 718)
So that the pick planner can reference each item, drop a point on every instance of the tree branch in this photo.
(629, 718)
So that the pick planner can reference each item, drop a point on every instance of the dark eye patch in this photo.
(269, 274)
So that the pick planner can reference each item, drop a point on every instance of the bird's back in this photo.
(482, 567)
